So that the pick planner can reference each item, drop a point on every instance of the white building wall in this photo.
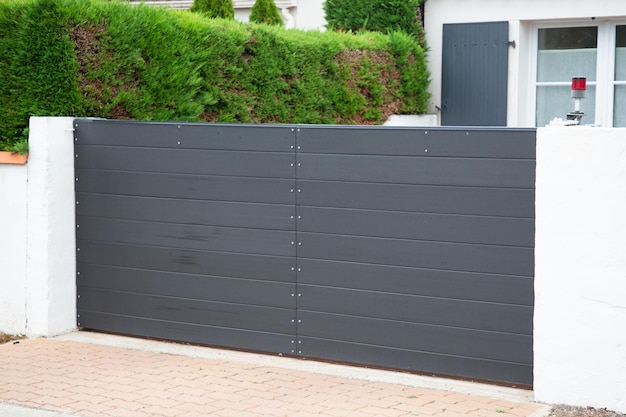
(13, 182)
(520, 14)
(580, 267)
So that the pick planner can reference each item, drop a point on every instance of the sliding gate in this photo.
(395, 247)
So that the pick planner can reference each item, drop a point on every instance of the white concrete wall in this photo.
(520, 14)
(37, 238)
(580, 272)
(51, 254)
(13, 182)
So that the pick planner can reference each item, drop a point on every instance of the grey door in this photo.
(474, 74)
(395, 247)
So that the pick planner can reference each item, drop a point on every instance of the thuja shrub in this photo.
(374, 15)
(91, 58)
(265, 11)
(214, 8)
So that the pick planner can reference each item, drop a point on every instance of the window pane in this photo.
(567, 52)
(619, 106)
(555, 101)
(620, 53)
(568, 38)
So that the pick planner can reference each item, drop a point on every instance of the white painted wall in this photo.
(580, 271)
(13, 183)
(520, 14)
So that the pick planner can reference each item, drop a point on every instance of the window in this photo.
(597, 52)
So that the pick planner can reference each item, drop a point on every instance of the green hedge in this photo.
(108, 59)
(374, 15)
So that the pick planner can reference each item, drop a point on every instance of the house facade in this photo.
(545, 44)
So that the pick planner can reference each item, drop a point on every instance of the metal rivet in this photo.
(77, 249)
(77, 226)
(293, 130)
(426, 132)
(293, 321)
(292, 164)
(78, 273)
(426, 150)
(291, 147)
(77, 203)
(76, 155)
(179, 126)
(299, 191)
(293, 269)
(298, 130)
(293, 341)
(299, 243)
(78, 316)
(293, 295)
(299, 342)
(299, 147)
(76, 178)
(299, 321)
(78, 296)
(299, 269)
(300, 352)
(291, 190)
(299, 164)
(292, 217)
(299, 295)
(299, 217)
(293, 243)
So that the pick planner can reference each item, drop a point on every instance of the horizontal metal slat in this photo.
(200, 212)
(185, 285)
(472, 172)
(417, 309)
(186, 332)
(423, 254)
(198, 187)
(419, 198)
(423, 362)
(202, 136)
(421, 226)
(469, 286)
(186, 161)
(444, 340)
(185, 236)
(223, 264)
(184, 310)
(407, 141)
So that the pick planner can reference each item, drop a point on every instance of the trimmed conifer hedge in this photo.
(108, 59)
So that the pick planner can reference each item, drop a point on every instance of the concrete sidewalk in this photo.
(90, 374)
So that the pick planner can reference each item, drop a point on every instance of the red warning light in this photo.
(579, 83)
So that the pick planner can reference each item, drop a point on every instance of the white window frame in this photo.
(605, 68)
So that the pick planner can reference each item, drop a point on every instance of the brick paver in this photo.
(96, 380)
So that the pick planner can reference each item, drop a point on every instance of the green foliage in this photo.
(265, 11)
(374, 15)
(92, 58)
(214, 8)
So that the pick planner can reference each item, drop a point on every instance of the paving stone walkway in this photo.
(98, 379)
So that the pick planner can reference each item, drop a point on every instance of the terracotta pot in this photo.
(12, 158)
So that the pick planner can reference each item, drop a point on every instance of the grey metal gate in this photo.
(397, 247)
